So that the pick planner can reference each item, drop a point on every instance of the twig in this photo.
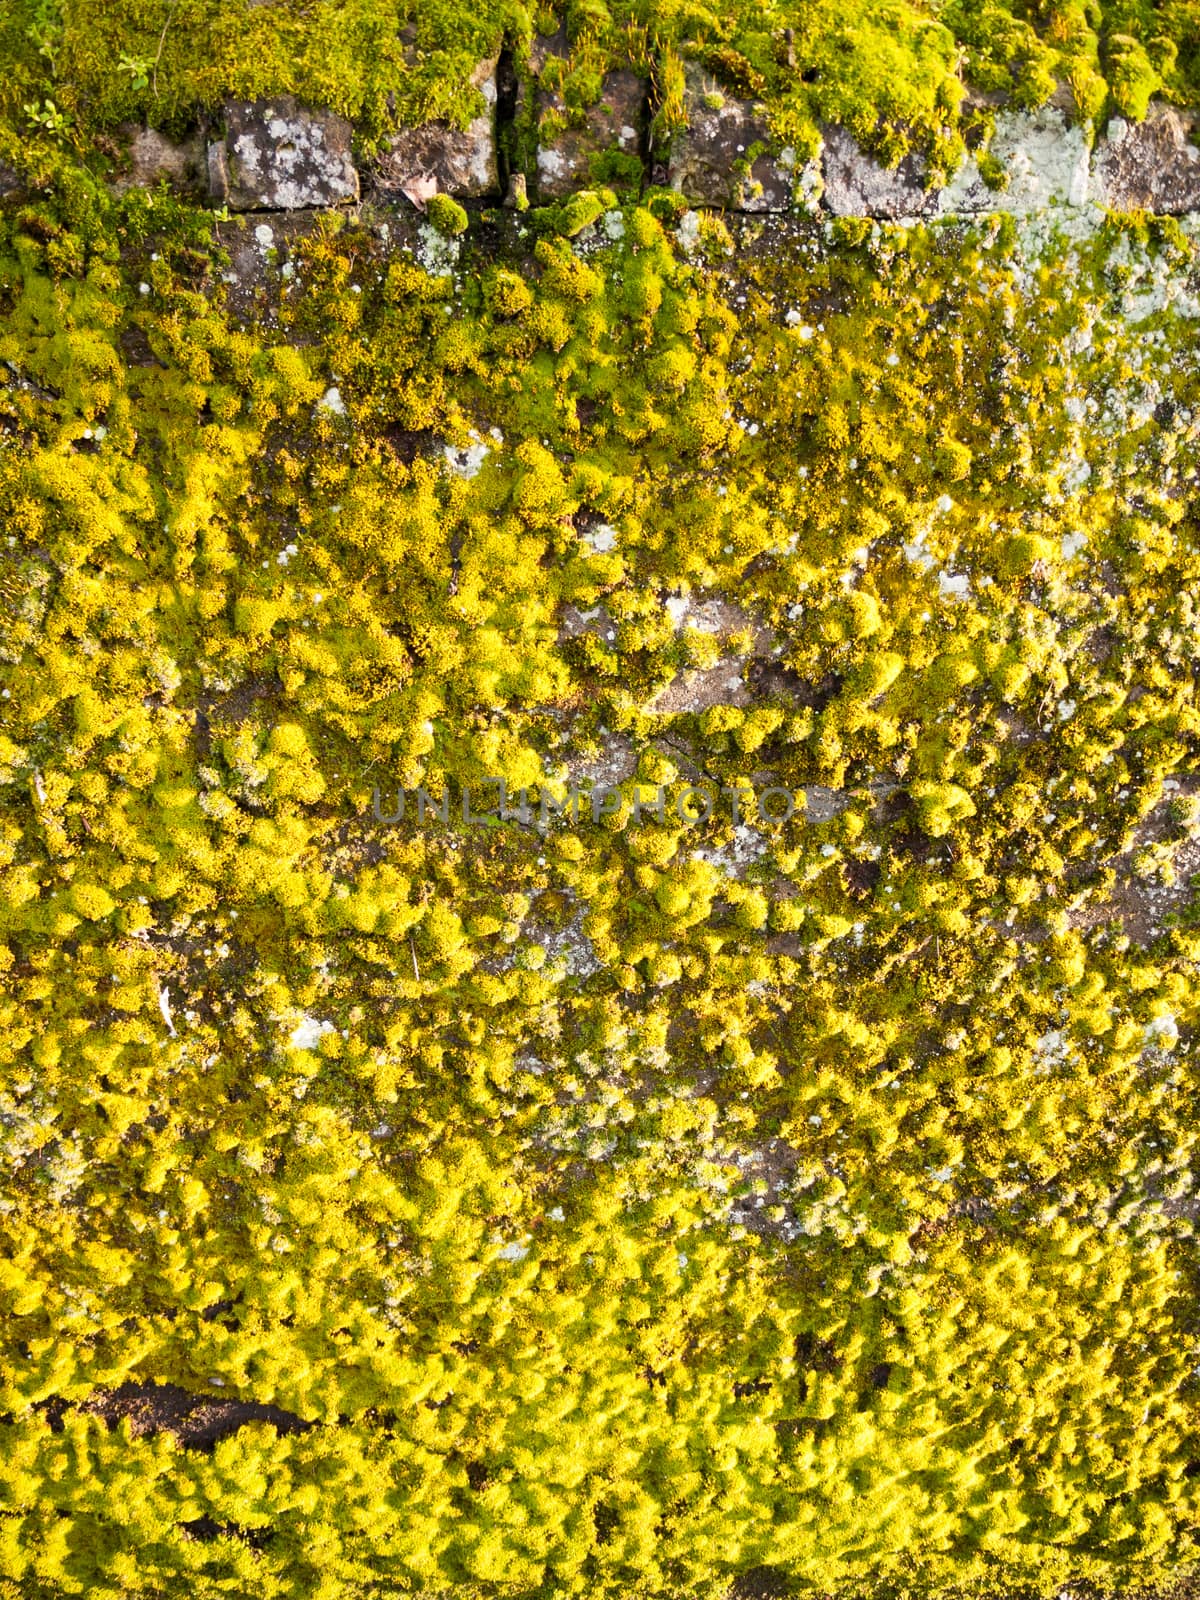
(412, 950)
(161, 41)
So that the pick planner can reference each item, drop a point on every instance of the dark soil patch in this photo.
(761, 1583)
(408, 443)
(137, 350)
(196, 1420)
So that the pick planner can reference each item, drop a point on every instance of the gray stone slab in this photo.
(278, 155)
(857, 185)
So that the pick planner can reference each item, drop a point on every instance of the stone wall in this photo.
(278, 155)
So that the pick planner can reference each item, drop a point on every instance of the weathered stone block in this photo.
(710, 160)
(1045, 157)
(615, 122)
(154, 159)
(280, 156)
(461, 161)
(856, 185)
(1150, 165)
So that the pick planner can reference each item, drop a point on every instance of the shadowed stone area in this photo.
(712, 160)
(280, 156)
(461, 161)
(1150, 165)
(154, 159)
(194, 1419)
(614, 123)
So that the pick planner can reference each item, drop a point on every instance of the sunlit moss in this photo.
(448, 1135)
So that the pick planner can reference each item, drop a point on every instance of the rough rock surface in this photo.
(11, 182)
(575, 623)
(154, 158)
(724, 682)
(280, 156)
(461, 161)
(856, 185)
(614, 761)
(1046, 159)
(615, 122)
(709, 159)
(258, 251)
(700, 688)
(1150, 165)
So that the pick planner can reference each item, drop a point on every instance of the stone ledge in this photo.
(1148, 166)
(280, 156)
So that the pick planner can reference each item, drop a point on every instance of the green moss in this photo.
(446, 215)
(1132, 76)
(452, 1143)
(581, 210)
(890, 72)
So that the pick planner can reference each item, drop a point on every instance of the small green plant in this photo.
(1184, 812)
(45, 114)
(993, 172)
(1132, 76)
(506, 294)
(45, 30)
(137, 69)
